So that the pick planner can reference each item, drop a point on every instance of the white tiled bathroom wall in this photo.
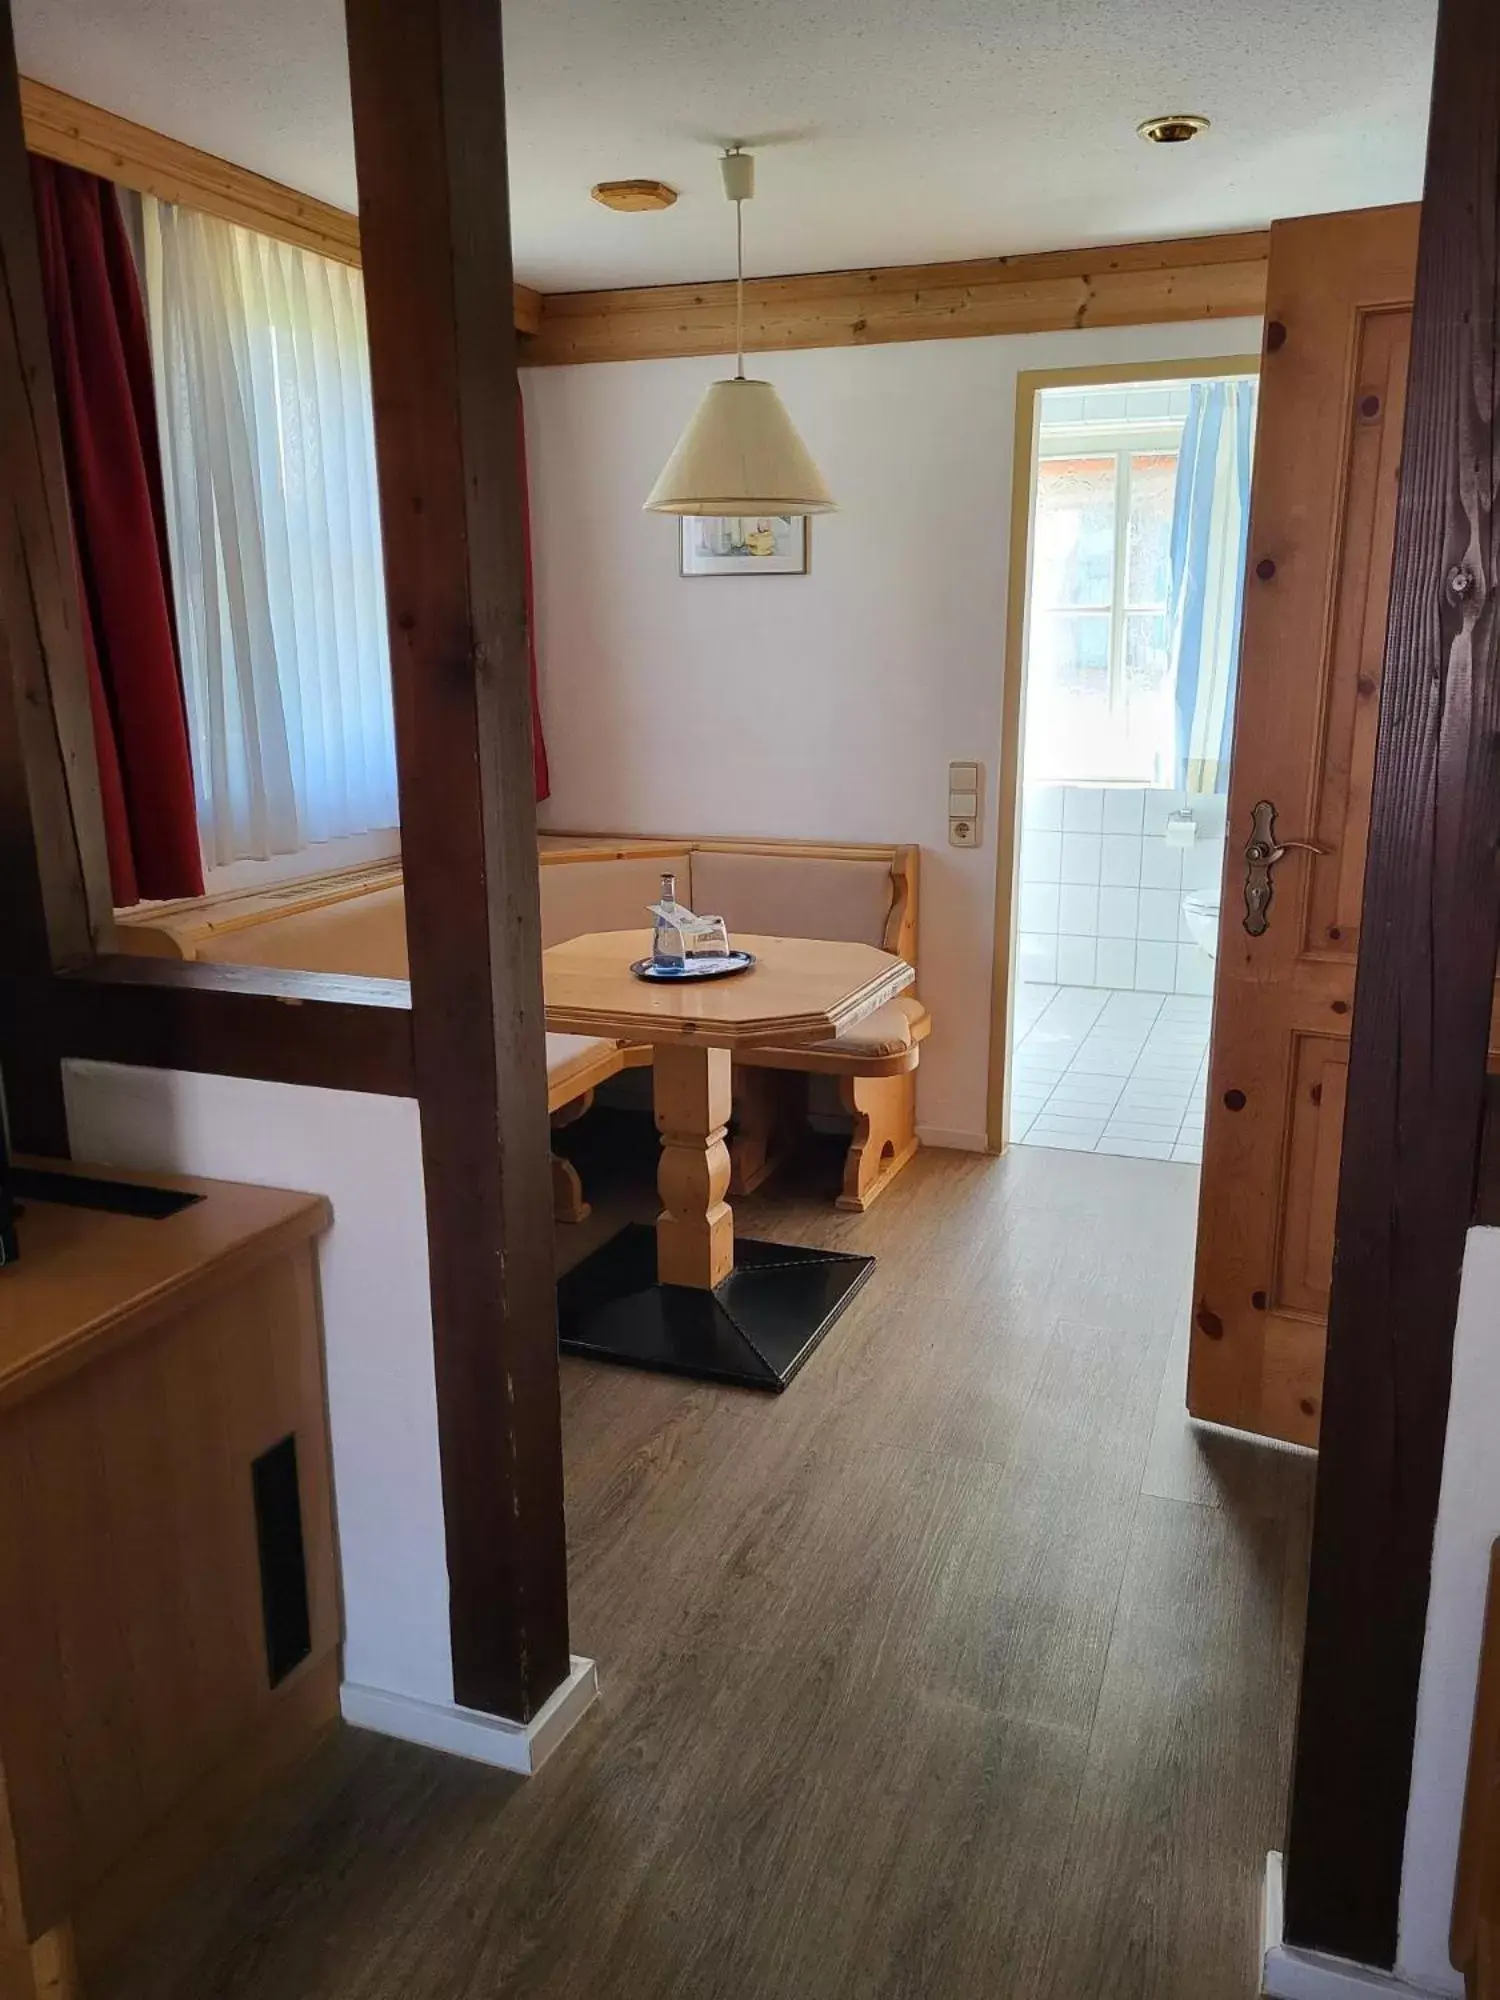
(1101, 891)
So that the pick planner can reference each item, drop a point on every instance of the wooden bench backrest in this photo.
(353, 921)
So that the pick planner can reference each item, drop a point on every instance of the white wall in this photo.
(364, 1153)
(1468, 1522)
(821, 706)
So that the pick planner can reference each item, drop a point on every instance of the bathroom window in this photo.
(1098, 667)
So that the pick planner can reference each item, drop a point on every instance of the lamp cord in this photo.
(739, 288)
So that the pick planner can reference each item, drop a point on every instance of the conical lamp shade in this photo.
(740, 455)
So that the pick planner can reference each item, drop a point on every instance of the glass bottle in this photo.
(666, 940)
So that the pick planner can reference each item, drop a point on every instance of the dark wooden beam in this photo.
(1429, 933)
(239, 1020)
(54, 872)
(429, 129)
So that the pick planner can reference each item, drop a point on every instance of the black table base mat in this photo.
(756, 1329)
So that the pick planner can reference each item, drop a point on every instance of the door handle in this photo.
(1262, 852)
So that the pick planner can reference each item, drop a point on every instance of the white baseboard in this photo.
(468, 1732)
(1291, 1974)
(953, 1142)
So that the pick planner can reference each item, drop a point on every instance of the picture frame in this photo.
(743, 545)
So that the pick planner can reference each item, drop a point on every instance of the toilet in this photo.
(1200, 911)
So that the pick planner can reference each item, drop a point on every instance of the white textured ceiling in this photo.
(890, 131)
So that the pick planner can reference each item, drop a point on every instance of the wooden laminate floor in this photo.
(964, 1670)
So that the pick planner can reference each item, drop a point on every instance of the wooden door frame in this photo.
(1029, 386)
(64, 993)
(1417, 1077)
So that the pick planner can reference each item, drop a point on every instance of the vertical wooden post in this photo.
(429, 125)
(1429, 933)
(54, 874)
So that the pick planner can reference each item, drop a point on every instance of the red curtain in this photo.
(102, 364)
(539, 769)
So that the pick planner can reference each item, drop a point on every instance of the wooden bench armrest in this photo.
(582, 1077)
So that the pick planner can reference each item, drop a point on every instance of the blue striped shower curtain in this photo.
(1210, 522)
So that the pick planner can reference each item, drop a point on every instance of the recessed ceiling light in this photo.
(1174, 130)
(634, 197)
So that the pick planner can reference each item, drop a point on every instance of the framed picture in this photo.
(744, 545)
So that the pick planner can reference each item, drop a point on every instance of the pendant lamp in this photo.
(741, 453)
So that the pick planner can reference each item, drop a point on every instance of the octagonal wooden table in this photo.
(693, 1301)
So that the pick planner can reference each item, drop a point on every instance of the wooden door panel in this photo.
(1361, 592)
(1321, 529)
(1314, 1129)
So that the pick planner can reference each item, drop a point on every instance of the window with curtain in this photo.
(268, 461)
(1137, 572)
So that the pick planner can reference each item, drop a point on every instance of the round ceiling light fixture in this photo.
(634, 197)
(1173, 130)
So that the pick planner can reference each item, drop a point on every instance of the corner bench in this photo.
(353, 921)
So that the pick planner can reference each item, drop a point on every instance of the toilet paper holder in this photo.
(1181, 829)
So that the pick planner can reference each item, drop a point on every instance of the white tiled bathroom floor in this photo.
(1097, 1071)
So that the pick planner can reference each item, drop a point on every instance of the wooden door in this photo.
(1322, 522)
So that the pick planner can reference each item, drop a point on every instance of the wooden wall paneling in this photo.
(54, 871)
(1431, 924)
(429, 128)
(1132, 284)
(65, 128)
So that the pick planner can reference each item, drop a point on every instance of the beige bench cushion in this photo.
(613, 895)
(576, 1063)
(886, 1041)
(886, 1032)
(794, 895)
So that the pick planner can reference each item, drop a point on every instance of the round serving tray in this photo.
(717, 965)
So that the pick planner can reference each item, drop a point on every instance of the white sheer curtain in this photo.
(268, 459)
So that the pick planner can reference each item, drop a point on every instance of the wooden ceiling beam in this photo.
(1127, 284)
(59, 127)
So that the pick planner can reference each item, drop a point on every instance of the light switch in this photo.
(965, 782)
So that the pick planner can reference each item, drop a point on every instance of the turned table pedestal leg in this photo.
(695, 1230)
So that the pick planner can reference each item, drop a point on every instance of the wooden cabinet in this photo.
(169, 1621)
